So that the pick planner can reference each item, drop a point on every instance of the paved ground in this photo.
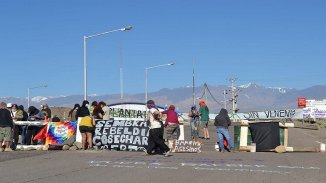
(208, 166)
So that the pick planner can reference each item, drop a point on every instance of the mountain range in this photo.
(251, 97)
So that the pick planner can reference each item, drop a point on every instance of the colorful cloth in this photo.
(59, 132)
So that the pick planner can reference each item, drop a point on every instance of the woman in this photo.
(155, 138)
(194, 122)
(83, 110)
(98, 112)
(204, 118)
(222, 123)
(172, 125)
(86, 128)
(24, 127)
(33, 115)
(17, 115)
(72, 115)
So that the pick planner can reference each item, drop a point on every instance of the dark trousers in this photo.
(17, 131)
(155, 139)
(30, 134)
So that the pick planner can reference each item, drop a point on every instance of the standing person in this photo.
(97, 112)
(172, 125)
(86, 125)
(46, 111)
(83, 110)
(24, 127)
(33, 115)
(92, 107)
(155, 138)
(17, 115)
(86, 128)
(6, 125)
(72, 115)
(222, 123)
(106, 110)
(204, 118)
(194, 122)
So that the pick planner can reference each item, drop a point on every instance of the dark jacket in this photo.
(83, 110)
(5, 118)
(222, 119)
(35, 114)
(25, 114)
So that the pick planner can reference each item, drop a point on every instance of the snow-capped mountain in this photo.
(251, 97)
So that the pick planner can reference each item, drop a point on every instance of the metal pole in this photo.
(85, 71)
(146, 70)
(121, 82)
(27, 97)
(193, 82)
(224, 93)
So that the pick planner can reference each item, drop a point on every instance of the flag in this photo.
(41, 134)
(59, 132)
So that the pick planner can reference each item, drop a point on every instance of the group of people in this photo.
(88, 114)
(199, 119)
(9, 131)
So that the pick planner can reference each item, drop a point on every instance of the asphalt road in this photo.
(207, 166)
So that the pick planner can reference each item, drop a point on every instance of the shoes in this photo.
(145, 152)
(8, 150)
(167, 153)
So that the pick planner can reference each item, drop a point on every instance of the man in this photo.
(6, 125)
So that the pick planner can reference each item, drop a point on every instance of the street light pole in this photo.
(146, 76)
(91, 36)
(28, 92)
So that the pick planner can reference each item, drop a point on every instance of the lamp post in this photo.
(28, 92)
(146, 75)
(91, 36)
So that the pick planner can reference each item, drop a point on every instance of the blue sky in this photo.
(279, 43)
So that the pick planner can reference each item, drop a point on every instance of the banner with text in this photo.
(123, 135)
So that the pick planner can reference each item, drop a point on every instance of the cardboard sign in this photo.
(123, 135)
(184, 146)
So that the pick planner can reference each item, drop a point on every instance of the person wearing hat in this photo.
(155, 138)
(6, 125)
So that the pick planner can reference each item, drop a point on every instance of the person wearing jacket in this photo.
(106, 110)
(194, 122)
(6, 125)
(33, 115)
(72, 115)
(83, 110)
(17, 115)
(204, 118)
(171, 125)
(222, 123)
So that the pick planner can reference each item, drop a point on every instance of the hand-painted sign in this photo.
(184, 146)
(128, 111)
(124, 135)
